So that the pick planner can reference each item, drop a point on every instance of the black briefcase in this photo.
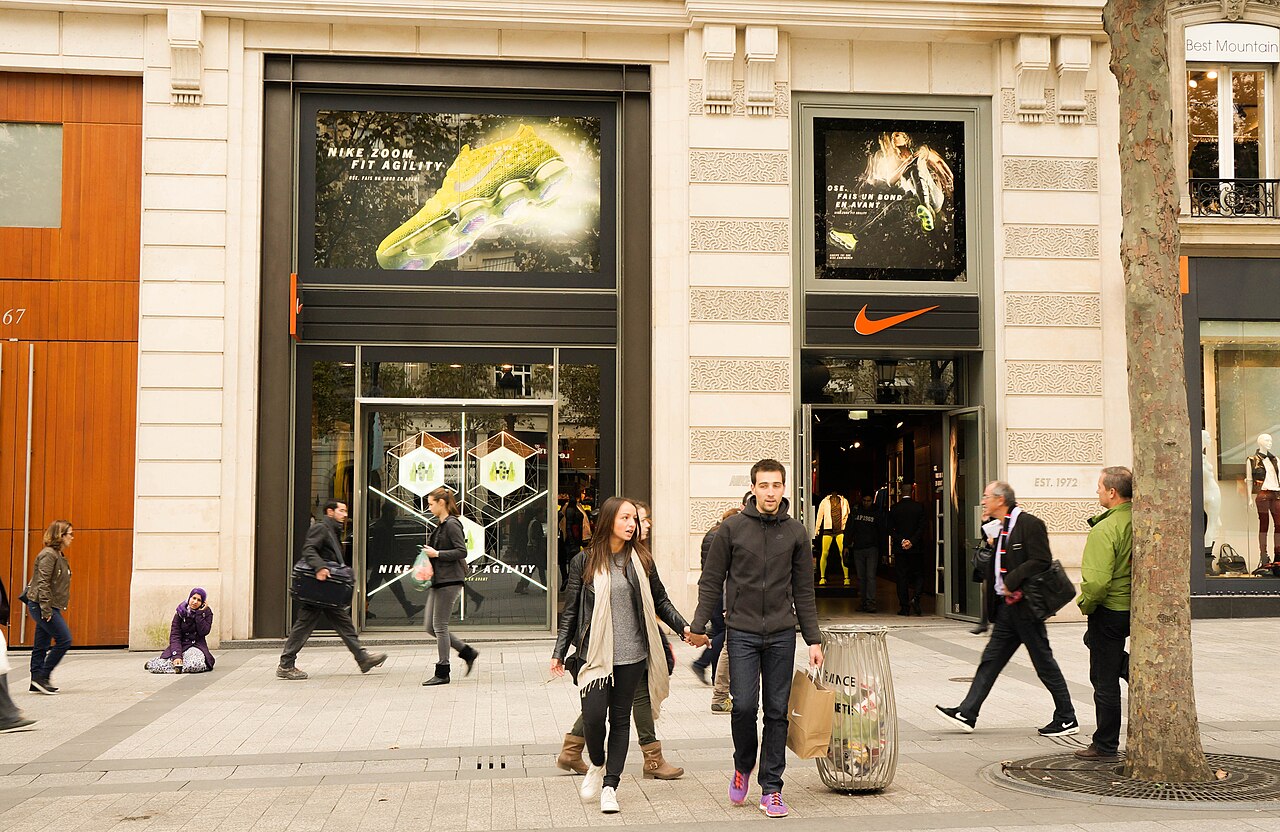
(334, 592)
(1046, 592)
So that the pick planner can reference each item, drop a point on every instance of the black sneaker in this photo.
(16, 725)
(1060, 729)
(41, 684)
(700, 672)
(980, 629)
(965, 723)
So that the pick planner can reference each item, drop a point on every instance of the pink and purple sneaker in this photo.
(772, 806)
(738, 787)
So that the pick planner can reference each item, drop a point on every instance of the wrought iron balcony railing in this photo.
(1251, 198)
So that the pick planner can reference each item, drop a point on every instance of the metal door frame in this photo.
(950, 579)
(359, 519)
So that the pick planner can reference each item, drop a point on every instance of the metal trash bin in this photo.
(863, 754)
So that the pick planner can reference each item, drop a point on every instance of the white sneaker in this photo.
(592, 782)
(609, 800)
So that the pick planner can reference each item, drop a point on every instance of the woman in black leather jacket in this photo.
(612, 601)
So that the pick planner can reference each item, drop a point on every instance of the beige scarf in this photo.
(598, 669)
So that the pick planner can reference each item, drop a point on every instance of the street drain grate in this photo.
(1248, 780)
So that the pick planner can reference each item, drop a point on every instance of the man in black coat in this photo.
(907, 527)
(322, 548)
(1022, 550)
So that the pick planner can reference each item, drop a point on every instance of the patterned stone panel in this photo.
(1062, 515)
(1051, 241)
(1009, 107)
(754, 305)
(740, 375)
(740, 167)
(781, 99)
(747, 446)
(1034, 309)
(736, 236)
(703, 514)
(1063, 447)
(1025, 173)
(1054, 378)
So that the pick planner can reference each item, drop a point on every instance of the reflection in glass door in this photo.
(493, 456)
(964, 482)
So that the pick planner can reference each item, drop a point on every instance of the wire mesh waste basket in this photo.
(863, 754)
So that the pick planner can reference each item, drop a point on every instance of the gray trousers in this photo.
(720, 693)
(8, 711)
(309, 618)
(440, 604)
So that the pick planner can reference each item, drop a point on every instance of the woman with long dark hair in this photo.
(613, 602)
(448, 552)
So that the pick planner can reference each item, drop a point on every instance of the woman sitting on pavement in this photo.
(187, 651)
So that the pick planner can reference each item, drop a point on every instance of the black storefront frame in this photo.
(286, 78)
(1242, 289)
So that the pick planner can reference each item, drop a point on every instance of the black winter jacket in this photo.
(323, 546)
(450, 540)
(765, 565)
(580, 602)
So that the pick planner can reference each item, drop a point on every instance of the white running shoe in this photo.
(609, 800)
(592, 782)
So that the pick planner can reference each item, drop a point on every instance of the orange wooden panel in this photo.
(30, 96)
(66, 310)
(101, 567)
(48, 97)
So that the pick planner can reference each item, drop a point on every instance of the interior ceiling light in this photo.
(456, 366)
(900, 424)
(1212, 75)
(1191, 82)
(857, 444)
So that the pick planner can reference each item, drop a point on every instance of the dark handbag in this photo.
(980, 560)
(332, 593)
(1231, 561)
(4, 604)
(671, 653)
(573, 664)
(1046, 592)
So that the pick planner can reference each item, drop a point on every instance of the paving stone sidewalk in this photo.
(237, 749)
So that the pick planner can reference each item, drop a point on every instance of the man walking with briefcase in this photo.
(1022, 551)
(322, 550)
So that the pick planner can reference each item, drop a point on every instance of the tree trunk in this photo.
(1164, 732)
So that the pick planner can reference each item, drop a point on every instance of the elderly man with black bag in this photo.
(1021, 555)
(322, 585)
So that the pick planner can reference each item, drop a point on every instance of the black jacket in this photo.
(450, 540)
(580, 602)
(868, 529)
(907, 522)
(765, 564)
(1026, 552)
(323, 546)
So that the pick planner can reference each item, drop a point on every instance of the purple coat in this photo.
(189, 629)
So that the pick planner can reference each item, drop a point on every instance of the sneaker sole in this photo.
(960, 723)
(1066, 733)
(769, 814)
(14, 729)
(452, 234)
(41, 689)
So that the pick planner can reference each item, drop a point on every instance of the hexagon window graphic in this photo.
(421, 471)
(501, 471)
(475, 539)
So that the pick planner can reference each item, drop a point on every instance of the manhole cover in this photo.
(1248, 780)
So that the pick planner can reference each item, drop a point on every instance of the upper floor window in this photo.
(1226, 117)
(30, 175)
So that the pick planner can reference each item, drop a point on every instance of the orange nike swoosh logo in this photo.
(865, 326)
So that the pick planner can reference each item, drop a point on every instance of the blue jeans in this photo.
(757, 661)
(710, 656)
(43, 657)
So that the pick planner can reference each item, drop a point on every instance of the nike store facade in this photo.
(541, 254)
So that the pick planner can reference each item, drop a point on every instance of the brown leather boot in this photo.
(570, 758)
(655, 767)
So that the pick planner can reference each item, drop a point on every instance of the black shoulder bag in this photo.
(1046, 592)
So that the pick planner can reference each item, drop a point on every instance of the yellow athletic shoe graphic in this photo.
(845, 239)
(484, 189)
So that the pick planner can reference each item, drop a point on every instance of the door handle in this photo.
(26, 510)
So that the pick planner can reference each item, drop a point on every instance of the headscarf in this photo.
(204, 600)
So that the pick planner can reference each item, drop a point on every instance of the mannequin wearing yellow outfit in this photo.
(833, 513)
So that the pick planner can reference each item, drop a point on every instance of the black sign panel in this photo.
(892, 321)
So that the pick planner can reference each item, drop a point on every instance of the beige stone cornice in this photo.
(830, 18)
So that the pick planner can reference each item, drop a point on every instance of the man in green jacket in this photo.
(1104, 598)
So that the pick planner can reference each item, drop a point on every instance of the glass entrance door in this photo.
(964, 480)
(495, 457)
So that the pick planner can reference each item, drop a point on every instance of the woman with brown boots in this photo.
(655, 766)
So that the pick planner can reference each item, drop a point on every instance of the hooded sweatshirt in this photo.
(765, 564)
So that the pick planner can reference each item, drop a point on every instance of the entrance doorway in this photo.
(495, 457)
(876, 458)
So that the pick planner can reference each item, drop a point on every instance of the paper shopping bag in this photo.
(810, 713)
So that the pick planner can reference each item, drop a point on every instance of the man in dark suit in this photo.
(907, 527)
(324, 547)
(1022, 550)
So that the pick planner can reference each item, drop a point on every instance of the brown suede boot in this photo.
(655, 767)
(570, 758)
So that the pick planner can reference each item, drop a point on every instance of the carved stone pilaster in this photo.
(719, 45)
(735, 445)
(1074, 57)
(1032, 69)
(762, 60)
(1062, 515)
(186, 34)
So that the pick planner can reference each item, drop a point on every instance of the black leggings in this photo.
(613, 700)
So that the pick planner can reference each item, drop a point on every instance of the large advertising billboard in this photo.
(889, 199)
(456, 192)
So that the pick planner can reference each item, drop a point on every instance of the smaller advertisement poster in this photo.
(889, 199)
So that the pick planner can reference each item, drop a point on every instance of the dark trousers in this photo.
(43, 657)
(1108, 664)
(710, 656)
(1268, 505)
(1013, 628)
(8, 710)
(641, 713)
(309, 618)
(909, 569)
(867, 563)
(761, 661)
(612, 700)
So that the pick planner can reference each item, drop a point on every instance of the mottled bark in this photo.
(1164, 732)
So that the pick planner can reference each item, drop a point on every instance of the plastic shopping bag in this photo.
(423, 571)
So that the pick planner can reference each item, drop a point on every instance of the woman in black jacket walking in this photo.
(448, 552)
(613, 600)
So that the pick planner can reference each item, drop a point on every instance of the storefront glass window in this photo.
(30, 175)
(453, 380)
(839, 380)
(580, 456)
(332, 436)
(1202, 123)
(1241, 474)
(1247, 119)
(1226, 111)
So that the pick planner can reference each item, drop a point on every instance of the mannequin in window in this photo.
(832, 514)
(1212, 495)
(1264, 479)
